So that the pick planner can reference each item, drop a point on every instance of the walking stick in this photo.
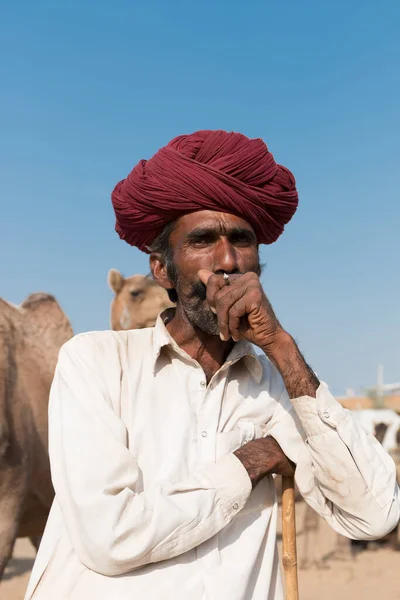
(289, 551)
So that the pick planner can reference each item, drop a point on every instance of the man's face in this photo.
(220, 242)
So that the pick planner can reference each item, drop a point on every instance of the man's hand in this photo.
(244, 311)
(264, 456)
(242, 308)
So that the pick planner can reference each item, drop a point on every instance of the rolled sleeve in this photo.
(231, 479)
(341, 470)
(321, 414)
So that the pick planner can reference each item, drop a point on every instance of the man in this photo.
(163, 441)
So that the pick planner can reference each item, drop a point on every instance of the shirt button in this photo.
(235, 506)
(327, 414)
(204, 434)
(203, 384)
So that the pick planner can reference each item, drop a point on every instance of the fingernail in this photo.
(221, 335)
(214, 310)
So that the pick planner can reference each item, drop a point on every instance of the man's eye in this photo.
(241, 240)
(203, 241)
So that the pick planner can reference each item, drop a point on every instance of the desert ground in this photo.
(332, 574)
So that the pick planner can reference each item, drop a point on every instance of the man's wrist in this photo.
(280, 347)
(262, 457)
(298, 377)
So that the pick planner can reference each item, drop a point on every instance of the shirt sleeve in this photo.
(341, 470)
(112, 528)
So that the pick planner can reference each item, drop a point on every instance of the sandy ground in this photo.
(17, 573)
(333, 575)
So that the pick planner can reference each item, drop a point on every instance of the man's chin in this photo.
(204, 319)
(209, 331)
(208, 326)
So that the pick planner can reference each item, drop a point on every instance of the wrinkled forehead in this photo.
(208, 219)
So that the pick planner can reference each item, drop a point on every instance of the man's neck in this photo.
(208, 350)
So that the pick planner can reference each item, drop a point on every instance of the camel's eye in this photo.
(135, 293)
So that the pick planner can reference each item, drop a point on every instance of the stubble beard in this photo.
(197, 309)
(201, 316)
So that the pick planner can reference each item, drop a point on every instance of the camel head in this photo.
(137, 302)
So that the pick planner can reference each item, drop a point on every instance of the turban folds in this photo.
(207, 170)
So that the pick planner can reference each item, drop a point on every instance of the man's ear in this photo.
(159, 271)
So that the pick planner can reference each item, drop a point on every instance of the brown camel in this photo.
(30, 338)
(137, 302)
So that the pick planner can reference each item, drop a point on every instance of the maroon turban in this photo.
(207, 170)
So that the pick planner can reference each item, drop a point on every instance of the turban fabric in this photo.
(207, 170)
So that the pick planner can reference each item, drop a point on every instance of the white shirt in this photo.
(151, 502)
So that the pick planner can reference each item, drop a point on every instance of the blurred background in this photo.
(88, 89)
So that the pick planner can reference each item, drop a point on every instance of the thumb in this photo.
(204, 275)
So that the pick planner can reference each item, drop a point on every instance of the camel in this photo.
(137, 302)
(30, 337)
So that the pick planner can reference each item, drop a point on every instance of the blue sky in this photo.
(90, 88)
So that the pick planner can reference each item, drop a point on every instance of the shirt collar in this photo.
(241, 350)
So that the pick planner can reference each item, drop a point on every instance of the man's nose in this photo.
(225, 258)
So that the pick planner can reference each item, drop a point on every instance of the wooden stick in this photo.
(289, 550)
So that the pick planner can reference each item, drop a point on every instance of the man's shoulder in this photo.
(268, 368)
(108, 341)
(271, 379)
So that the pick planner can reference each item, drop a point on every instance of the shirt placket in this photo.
(208, 416)
(207, 426)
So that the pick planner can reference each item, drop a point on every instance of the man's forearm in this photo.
(298, 377)
(264, 456)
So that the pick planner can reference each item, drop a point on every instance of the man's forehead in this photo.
(213, 220)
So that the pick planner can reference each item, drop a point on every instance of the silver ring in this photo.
(226, 278)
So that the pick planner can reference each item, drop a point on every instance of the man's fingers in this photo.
(204, 275)
(235, 315)
(214, 283)
(234, 304)
(225, 299)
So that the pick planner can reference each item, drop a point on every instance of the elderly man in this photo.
(163, 441)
